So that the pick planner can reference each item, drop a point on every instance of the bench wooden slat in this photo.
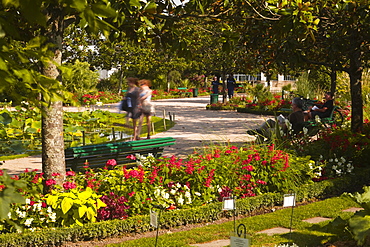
(97, 155)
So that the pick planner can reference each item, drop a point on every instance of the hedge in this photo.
(206, 213)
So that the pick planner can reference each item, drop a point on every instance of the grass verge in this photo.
(304, 234)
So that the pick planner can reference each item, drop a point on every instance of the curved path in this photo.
(195, 127)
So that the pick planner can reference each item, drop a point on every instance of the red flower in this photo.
(50, 182)
(111, 162)
(69, 185)
(131, 194)
(70, 173)
(131, 157)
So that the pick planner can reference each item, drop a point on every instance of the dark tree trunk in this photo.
(355, 75)
(333, 79)
(224, 87)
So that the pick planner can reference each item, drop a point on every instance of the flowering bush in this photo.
(171, 183)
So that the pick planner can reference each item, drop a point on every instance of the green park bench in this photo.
(183, 91)
(97, 155)
(336, 118)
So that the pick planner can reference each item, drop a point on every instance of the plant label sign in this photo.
(239, 242)
(228, 203)
(289, 200)
(153, 218)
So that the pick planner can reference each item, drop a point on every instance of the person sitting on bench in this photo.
(322, 111)
(296, 119)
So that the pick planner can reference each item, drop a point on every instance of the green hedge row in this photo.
(207, 213)
(261, 112)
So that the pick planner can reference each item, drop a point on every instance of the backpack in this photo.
(123, 105)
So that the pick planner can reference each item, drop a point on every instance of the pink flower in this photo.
(69, 185)
(131, 193)
(131, 157)
(70, 173)
(50, 182)
(111, 162)
(261, 182)
(55, 174)
(44, 205)
(248, 168)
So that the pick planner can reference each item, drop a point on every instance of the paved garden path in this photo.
(195, 127)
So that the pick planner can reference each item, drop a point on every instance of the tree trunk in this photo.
(333, 79)
(224, 87)
(355, 75)
(53, 158)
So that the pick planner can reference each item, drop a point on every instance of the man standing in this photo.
(231, 84)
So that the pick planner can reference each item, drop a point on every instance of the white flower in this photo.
(219, 190)
(49, 210)
(197, 194)
(321, 157)
(178, 185)
(99, 103)
(338, 172)
(180, 200)
(334, 167)
(172, 192)
(339, 163)
(343, 159)
(28, 201)
(21, 214)
(166, 195)
(336, 160)
(53, 217)
(305, 130)
(28, 222)
(187, 194)
(9, 215)
(188, 200)
(157, 192)
(186, 187)
(330, 160)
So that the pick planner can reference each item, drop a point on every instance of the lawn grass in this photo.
(304, 234)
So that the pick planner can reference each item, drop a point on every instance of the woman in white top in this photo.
(147, 108)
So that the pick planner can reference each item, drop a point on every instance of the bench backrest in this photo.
(97, 155)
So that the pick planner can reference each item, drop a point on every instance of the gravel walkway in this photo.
(195, 127)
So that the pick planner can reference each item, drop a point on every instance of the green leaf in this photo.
(150, 7)
(67, 204)
(82, 210)
(83, 196)
(103, 10)
(360, 226)
(5, 118)
(80, 5)
(100, 204)
(135, 3)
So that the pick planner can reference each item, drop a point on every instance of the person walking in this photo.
(231, 84)
(147, 108)
(132, 102)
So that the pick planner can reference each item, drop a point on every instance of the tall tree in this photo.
(39, 26)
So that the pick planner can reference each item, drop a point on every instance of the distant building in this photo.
(280, 81)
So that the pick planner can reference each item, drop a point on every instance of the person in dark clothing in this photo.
(231, 84)
(132, 98)
(296, 119)
(215, 84)
(322, 111)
